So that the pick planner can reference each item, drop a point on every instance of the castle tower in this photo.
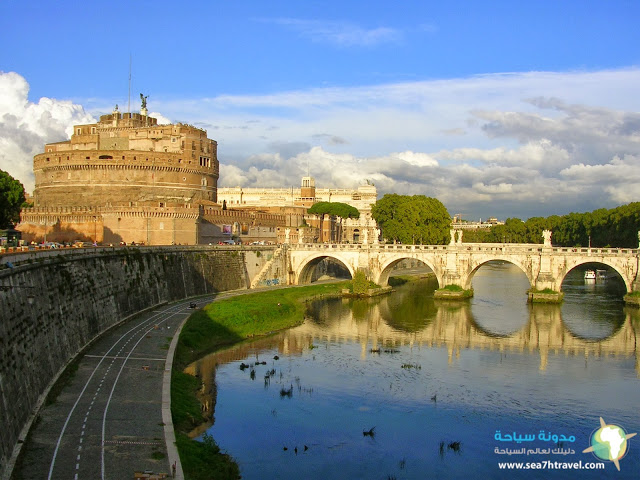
(308, 191)
(125, 178)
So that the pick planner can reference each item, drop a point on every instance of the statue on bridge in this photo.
(452, 232)
(547, 237)
(459, 237)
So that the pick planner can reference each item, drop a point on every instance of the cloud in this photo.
(162, 120)
(505, 145)
(330, 139)
(343, 34)
(26, 126)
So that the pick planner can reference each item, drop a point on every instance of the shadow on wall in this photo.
(110, 237)
(61, 234)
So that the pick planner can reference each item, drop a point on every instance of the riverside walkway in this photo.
(113, 418)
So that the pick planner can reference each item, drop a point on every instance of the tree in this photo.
(11, 200)
(334, 208)
(413, 219)
(617, 227)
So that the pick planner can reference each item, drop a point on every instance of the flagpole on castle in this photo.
(129, 108)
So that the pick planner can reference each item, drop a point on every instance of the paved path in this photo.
(109, 421)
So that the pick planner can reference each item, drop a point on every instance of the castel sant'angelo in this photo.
(127, 179)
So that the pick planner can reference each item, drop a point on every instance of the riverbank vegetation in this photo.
(616, 227)
(221, 324)
(453, 292)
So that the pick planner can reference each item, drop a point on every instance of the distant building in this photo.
(302, 227)
(460, 224)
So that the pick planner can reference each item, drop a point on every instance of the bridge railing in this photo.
(470, 247)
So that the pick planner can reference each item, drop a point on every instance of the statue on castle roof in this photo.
(144, 100)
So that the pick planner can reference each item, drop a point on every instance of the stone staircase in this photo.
(265, 273)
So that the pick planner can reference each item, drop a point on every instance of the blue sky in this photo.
(496, 108)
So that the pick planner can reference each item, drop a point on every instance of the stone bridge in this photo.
(455, 264)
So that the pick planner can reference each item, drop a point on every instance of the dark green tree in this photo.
(617, 227)
(334, 208)
(11, 200)
(413, 219)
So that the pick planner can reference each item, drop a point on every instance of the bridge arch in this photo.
(387, 266)
(304, 272)
(475, 266)
(573, 263)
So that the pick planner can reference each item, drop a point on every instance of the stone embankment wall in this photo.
(58, 301)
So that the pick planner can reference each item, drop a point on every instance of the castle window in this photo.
(93, 130)
(105, 157)
(78, 131)
(47, 159)
(87, 158)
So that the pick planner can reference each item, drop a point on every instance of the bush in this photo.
(360, 283)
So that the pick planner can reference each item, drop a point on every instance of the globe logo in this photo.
(609, 442)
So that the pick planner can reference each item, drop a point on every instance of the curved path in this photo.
(109, 423)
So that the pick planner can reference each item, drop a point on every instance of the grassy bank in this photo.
(221, 324)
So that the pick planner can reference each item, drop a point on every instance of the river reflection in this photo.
(427, 374)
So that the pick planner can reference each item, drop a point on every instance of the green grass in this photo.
(457, 289)
(453, 288)
(546, 290)
(203, 460)
(634, 294)
(185, 407)
(229, 321)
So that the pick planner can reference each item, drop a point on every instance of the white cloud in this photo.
(162, 120)
(344, 34)
(26, 126)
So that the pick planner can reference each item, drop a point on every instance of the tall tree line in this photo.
(617, 227)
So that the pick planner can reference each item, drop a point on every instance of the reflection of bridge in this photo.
(453, 327)
(450, 327)
(456, 264)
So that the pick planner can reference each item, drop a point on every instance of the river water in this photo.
(406, 387)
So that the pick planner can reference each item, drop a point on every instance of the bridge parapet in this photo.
(545, 266)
